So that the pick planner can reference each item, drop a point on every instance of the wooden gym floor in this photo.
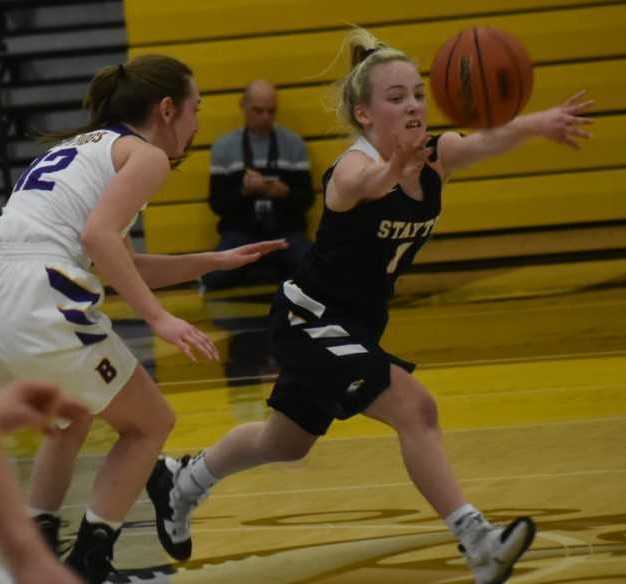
(529, 369)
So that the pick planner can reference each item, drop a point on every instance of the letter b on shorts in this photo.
(106, 370)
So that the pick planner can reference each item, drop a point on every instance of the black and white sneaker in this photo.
(494, 550)
(92, 553)
(172, 509)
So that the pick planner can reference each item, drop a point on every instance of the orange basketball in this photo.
(481, 78)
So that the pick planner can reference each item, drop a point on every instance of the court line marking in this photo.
(421, 367)
(543, 424)
(530, 359)
(561, 564)
(319, 527)
(452, 315)
(468, 395)
(369, 486)
(409, 483)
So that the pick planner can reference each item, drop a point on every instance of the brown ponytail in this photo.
(126, 93)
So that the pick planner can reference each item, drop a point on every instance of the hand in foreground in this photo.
(45, 568)
(36, 404)
(562, 124)
(185, 336)
(410, 154)
(247, 254)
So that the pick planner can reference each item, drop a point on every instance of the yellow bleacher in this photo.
(300, 58)
(310, 109)
(152, 22)
(573, 43)
(468, 206)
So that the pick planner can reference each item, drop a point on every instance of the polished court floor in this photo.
(529, 369)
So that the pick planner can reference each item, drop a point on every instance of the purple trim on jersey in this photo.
(75, 316)
(72, 290)
(90, 339)
(123, 130)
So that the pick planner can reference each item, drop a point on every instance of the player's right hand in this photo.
(243, 255)
(410, 154)
(185, 336)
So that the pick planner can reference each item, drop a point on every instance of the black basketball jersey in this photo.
(359, 254)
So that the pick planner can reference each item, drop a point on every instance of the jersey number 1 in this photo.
(392, 266)
(31, 179)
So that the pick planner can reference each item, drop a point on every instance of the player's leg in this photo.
(490, 550)
(176, 487)
(51, 476)
(143, 420)
(278, 439)
(407, 407)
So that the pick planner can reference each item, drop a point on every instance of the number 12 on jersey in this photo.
(32, 177)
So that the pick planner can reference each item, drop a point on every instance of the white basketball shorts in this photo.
(52, 329)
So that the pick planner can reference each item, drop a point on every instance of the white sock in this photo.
(35, 512)
(457, 519)
(91, 517)
(195, 480)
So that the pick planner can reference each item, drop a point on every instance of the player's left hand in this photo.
(247, 254)
(563, 123)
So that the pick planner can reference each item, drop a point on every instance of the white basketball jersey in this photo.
(53, 198)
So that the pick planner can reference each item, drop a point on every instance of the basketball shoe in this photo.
(491, 551)
(49, 527)
(92, 553)
(171, 507)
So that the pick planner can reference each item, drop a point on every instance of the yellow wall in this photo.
(573, 43)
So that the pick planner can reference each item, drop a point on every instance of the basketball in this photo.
(481, 78)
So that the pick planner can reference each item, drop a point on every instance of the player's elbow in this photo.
(96, 241)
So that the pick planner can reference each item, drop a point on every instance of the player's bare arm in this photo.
(159, 270)
(142, 174)
(561, 124)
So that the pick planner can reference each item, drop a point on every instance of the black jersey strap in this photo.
(433, 143)
(326, 177)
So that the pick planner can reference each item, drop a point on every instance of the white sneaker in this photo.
(493, 550)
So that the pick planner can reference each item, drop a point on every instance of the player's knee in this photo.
(428, 411)
(418, 408)
(159, 425)
(167, 422)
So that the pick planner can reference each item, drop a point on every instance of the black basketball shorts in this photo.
(331, 365)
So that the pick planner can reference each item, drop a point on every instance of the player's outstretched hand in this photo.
(247, 254)
(410, 153)
(185, 336)
(36, 404)
(563, 123)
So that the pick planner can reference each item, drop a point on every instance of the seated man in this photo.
(261, 188)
